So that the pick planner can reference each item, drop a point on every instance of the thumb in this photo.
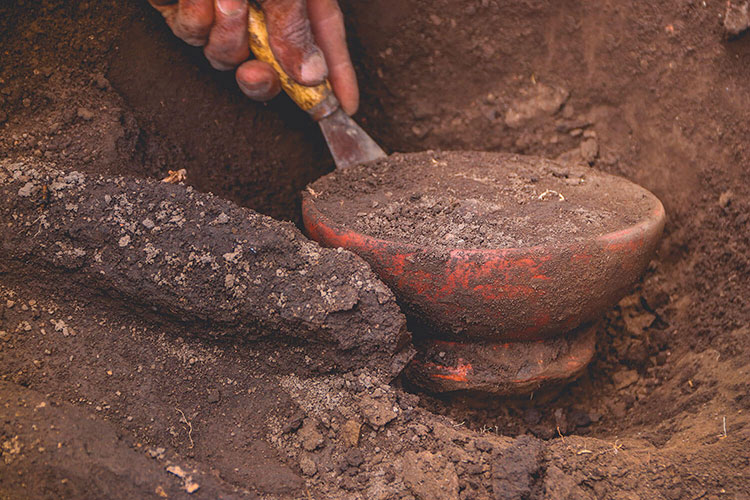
(292, 42)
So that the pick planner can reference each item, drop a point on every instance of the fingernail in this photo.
(314, 69)
(256, 89)
(231, 7)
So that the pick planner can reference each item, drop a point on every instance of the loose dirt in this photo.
(478, 200)
(106, 397)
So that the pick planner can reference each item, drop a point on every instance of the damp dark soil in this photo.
(160, 379)
(478, 200)
(150, 242)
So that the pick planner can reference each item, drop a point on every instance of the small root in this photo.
(550, 193)
(189, 426)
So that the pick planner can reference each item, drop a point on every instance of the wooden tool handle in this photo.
(319, 100)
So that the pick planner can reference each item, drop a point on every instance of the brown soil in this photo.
(478, 200)
(149, 242)
(113, 386)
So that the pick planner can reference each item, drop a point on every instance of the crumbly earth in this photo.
(478, 200)
(197, 258)
(104, 398)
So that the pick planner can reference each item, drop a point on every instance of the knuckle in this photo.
(194, 28)
(224, 58)
(193, 24)
(192, 34)
(227, 44)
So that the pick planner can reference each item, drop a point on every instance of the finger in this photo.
(327, 24)
(258, 80)
(161, 4)
(227, 43)
(168, 9)
(192, 21)
(292, 41)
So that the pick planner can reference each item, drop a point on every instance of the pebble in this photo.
(725, 198)
(124, 241)
(661, 358)
(85, 114)
(354, 458)
(624, 379)
(350, 432)
(589, 150)
(191, 486)
(294, 423)
(4, 336)
(213, 395)
(308, 466)
(736, 18)
(26, 190)
(177, 471)
(101, 82)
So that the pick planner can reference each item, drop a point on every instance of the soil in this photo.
(478, 200)
(154, 242)
(104, 396)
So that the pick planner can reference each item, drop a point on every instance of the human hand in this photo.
(306, 36)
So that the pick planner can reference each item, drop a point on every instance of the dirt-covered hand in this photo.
(306, 36)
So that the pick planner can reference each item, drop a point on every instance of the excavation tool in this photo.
(348, 143)
(503, 319)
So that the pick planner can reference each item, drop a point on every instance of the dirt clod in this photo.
(309, 435)
(430, 476)
(85, 114)
(736, 18)
(277, 276)
(308, 466)
(350, 433)
(377, 412)
(515, 469)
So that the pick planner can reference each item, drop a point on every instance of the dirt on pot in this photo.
(654, 92)
(477, 200)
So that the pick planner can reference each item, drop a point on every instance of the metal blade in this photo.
(349, 144)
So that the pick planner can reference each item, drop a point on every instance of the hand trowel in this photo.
(348, 143)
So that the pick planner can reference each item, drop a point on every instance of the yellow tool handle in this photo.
(319, 100)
